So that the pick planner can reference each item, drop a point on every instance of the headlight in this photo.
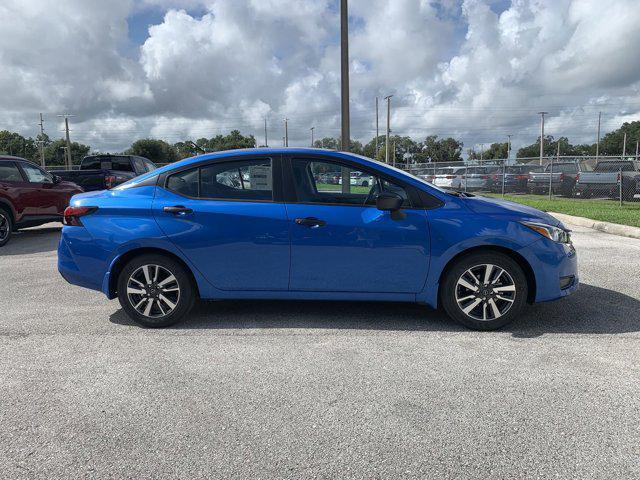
(552, 233)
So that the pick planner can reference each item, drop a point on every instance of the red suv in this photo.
(30, 196)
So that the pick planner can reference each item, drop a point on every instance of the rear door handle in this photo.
(177, 210)
(311, 222)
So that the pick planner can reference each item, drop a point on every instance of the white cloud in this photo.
(459, 68)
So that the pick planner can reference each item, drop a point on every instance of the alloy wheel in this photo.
(153, 291)
(485, 292)
(5, 228)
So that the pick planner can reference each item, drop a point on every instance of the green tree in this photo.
(12, 143)
(55, 154)
(334, 144)
(611, 143)
(495, 151)
(328, 143)
(227, 142)
(158, 151)
(441, 150)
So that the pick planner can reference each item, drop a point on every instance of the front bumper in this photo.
(552, 263)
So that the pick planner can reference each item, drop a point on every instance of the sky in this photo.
(477, 70)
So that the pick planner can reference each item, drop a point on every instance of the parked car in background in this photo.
(606, 177)
(102, 172)
(30, 196)
(563, 176)
(169, 237)
(478, 178)
(450, 177)
(358, 179)
(516, 178)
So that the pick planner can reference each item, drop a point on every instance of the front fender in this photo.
(454, 230)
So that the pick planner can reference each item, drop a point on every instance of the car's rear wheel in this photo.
(6, 227)
(484, 291)
(155, 291)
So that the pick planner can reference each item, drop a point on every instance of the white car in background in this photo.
(359, 179)
(450, 177)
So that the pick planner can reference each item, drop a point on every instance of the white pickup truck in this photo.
(606, 177)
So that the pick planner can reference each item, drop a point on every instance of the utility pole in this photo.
(394, 153)
(377, 134)
(637, 145)
(266, 143)
(598, 137)
(386, 143)
(624, 146)
(344, 75)
(542, 114)
(66, 129)
(286, 132)
(42, 161)
(312, 128)
(508, 147)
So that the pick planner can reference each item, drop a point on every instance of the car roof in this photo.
(12, 158)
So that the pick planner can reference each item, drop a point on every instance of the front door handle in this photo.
(177, 210)
(311, 222)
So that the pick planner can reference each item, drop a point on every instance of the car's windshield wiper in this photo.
(456, 193)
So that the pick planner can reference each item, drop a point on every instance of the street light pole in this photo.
(312, 128)
(344, 75)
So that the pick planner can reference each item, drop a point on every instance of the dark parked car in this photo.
(606, 177)
(30, 196)
(563, 179)
(516, 178)
(102, 172)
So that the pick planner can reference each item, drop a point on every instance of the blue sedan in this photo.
(289, 224)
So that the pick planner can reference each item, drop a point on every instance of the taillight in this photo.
(577, 177)
(495, 177)
(618, 178)
(562, 177)
(450, 177)
(72, 215)
(110, 181)
(522, 177)
(484, 177)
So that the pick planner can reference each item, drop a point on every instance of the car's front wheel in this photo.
(155, 291)
(484, 291)
(6, 227)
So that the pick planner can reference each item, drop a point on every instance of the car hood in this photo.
(510, 210)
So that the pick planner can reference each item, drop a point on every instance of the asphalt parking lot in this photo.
(318, 390)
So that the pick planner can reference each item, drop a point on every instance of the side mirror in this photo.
(56, 179)
(388, 202)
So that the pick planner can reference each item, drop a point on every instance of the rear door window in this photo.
(238, 180)
(9, 172)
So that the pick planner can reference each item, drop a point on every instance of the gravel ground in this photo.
(318, 390)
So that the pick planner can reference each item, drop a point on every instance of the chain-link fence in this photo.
(606, 178)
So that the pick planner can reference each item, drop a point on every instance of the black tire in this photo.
(449, 288)
(184, 300)
(6, 226)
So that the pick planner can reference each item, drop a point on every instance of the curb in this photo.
(606, 227)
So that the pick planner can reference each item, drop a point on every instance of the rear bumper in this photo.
(77, 260)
